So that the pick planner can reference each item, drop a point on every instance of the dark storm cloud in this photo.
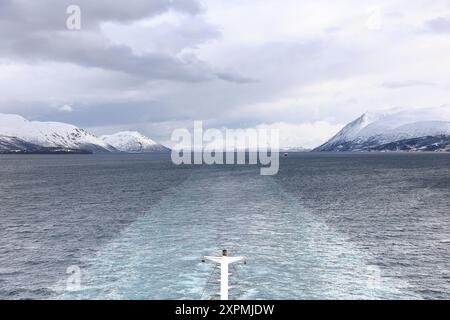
(35, 31)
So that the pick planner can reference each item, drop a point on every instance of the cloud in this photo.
(234, 78)
(439, 25)
(92, 51)
(66, 108)
(170, 33)
(407, 83)
(35, 31)
(46, 15)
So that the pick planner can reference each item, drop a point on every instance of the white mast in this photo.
(224, 261)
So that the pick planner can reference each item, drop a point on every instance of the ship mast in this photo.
(224, 261)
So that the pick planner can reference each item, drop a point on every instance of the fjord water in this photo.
(328, 226)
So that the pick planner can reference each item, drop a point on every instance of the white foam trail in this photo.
(291, 254)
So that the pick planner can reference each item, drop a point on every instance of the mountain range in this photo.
(19, 135)
(394, 130)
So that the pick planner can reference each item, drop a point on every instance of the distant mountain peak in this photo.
(48, 135)
(133, 142)
(370, 131)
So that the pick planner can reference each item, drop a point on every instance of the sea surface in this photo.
(328, 226)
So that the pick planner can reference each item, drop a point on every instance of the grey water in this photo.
(328, 226)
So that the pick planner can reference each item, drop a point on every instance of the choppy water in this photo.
(327, 226)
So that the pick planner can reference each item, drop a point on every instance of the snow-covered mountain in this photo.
(17, 134)
(294, 149)
(394, 130)
(133, 142)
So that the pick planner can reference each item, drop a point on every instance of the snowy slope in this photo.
(15, 145)
(50, 134)
(370, 131)
(429, 143)
(133, 142)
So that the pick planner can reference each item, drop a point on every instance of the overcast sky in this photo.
(307, 67)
